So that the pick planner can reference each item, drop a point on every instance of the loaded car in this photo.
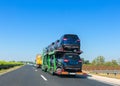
(45, 50)
(56, 44)
(48, 48)
(69, 62)
(69, 42)
(51, 47)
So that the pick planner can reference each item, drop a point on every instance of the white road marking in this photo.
(43, 77)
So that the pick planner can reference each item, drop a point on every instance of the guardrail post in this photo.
(115, 74)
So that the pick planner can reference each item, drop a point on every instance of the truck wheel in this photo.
(53, 73)
(45, 70)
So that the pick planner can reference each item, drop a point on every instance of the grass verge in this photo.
(117, 76)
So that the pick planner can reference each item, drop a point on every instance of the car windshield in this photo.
(71, 39)
(74, 37)
(72, 57)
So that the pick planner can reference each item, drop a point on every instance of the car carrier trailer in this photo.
(62, 57)
(51, 65)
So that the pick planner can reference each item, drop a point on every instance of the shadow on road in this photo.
(74, 76)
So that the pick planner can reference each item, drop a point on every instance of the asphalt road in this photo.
(30, 76)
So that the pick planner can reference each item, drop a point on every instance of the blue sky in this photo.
(27, 26)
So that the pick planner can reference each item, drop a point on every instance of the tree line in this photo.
(100, 61)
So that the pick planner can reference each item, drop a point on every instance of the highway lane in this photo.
(30, 76)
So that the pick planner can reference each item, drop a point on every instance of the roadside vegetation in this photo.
(9, 64)
(99, 63)
(99, 66)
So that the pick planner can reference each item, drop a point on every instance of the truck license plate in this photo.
(72, 73)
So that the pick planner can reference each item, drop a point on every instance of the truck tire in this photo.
(45, 70)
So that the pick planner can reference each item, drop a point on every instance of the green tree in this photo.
(119, 61)
(108, 63)
(100, 60)
(114, 63)
(111, 63)
(85, 61)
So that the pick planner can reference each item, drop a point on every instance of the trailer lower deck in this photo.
(70, 73)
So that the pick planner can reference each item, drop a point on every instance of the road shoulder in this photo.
(113, 81)
(4, 71)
